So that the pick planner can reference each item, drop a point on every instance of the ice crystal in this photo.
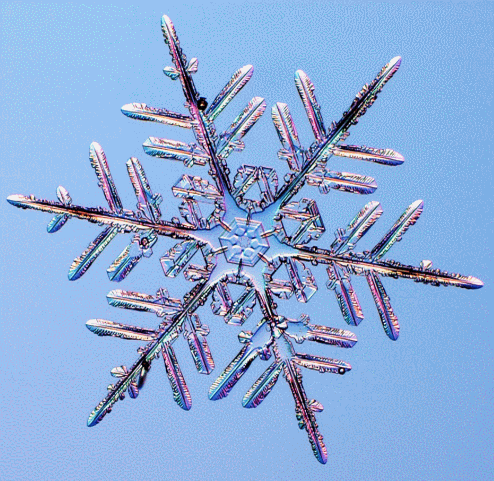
(244, 240)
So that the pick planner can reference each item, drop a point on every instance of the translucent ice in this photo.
(263, 242)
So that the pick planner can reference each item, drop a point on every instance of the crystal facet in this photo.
(256, 242)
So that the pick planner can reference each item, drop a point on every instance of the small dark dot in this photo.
(202, 104)
(341, 370)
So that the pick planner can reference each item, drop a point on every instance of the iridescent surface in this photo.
(232, 258)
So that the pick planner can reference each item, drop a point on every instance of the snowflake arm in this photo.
(342, 262)
(163, 338)
(338, 131)
(202, 126)
(273, 335)
(145, 223)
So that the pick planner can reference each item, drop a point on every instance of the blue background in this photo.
(418, 408)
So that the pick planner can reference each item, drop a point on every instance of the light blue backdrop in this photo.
(418, 408)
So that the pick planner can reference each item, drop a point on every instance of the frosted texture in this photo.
(247, 239)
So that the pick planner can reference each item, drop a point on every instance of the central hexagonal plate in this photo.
(244, 242)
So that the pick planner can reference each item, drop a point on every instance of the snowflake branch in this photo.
(194, 299)
(128, 221)
(201, 126)
(359, 264)
(364, 99)
(304, 409)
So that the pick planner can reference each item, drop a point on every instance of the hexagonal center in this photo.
(244, 242)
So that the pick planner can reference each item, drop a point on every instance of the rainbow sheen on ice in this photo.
(245, 239)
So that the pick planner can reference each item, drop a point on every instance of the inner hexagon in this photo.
(244, 242)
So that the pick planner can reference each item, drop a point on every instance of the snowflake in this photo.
(246, 240)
